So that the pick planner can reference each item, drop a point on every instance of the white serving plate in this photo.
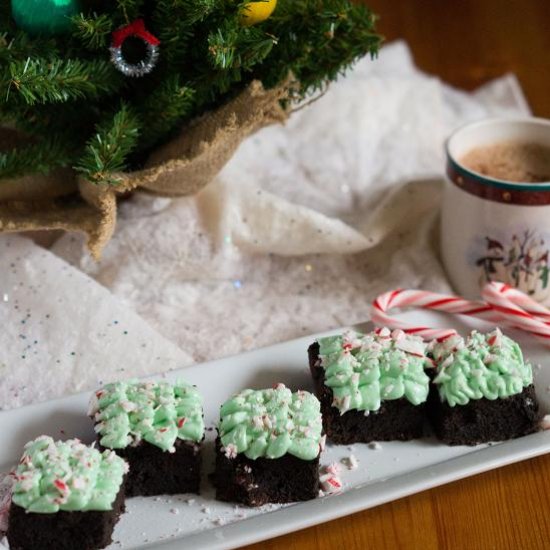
(397, 470)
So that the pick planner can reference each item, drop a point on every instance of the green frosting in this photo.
(157, 412)
(484, 365)
(362, 370)
(271, 423)
(67, 475)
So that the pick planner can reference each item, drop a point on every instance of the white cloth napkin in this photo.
(301, 230)
(62, 332)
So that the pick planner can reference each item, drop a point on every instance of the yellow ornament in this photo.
(256, 12)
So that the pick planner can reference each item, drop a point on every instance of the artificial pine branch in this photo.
(107, 150)
(161, 111)
(22, 46)
(94, 31)
(40, 81)
(129, 9)
(41, 157)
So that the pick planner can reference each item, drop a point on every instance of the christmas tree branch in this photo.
(22, 46)
(39, 81)
(107, 150)
(93, 31)
(164, 109)
(40, 157)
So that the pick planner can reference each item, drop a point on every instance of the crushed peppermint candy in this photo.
(289, 422)
(495, 338)
(383, 332)
(413, 347)
(79, 483)
(350, 462)
(181, 422)
(333, 468)
(51, 472)
(362, 376)
(127, 412)
(330, 483)
(230, 451)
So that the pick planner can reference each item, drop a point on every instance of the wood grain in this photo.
(466, 43)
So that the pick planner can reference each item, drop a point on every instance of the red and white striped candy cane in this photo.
(503, 305)
(427, 300)
(520, 299)
(518, 310)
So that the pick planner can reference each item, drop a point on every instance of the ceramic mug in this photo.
(491, 229)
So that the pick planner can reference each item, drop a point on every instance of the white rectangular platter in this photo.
(396, 470)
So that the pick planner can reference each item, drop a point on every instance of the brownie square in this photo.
(63, 530)
(263, 480)
(66, 496)
(483, 420)
(395, 419)
(158, 428)
(156, 472)
(268, 447)
(482, 390)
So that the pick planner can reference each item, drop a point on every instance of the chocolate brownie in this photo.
(158, 428)
(268, 447)
(155, 472)
(372, 387)
(482, 420)
(257, 482)
(482, 390)
(66, 496)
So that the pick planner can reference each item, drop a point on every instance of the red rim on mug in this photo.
(490, 188)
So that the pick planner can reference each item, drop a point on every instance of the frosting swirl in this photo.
(487, 366)
(67, 475)
(270, 423)
(363, 370)
(156, 412)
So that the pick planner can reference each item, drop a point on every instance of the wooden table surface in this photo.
(466, 43)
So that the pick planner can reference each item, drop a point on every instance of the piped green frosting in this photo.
(67, 475)
(362, 370)
(484, 365)
(270, 423)
(157, 412)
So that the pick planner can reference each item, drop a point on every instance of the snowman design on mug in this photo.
(521, 262)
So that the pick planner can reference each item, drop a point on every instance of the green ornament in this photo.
(47, 17)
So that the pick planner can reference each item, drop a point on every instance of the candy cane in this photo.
(427, 300)
(520, 299)
(504, 300)
(503, 305)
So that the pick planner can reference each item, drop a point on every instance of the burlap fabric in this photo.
(181, 167)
